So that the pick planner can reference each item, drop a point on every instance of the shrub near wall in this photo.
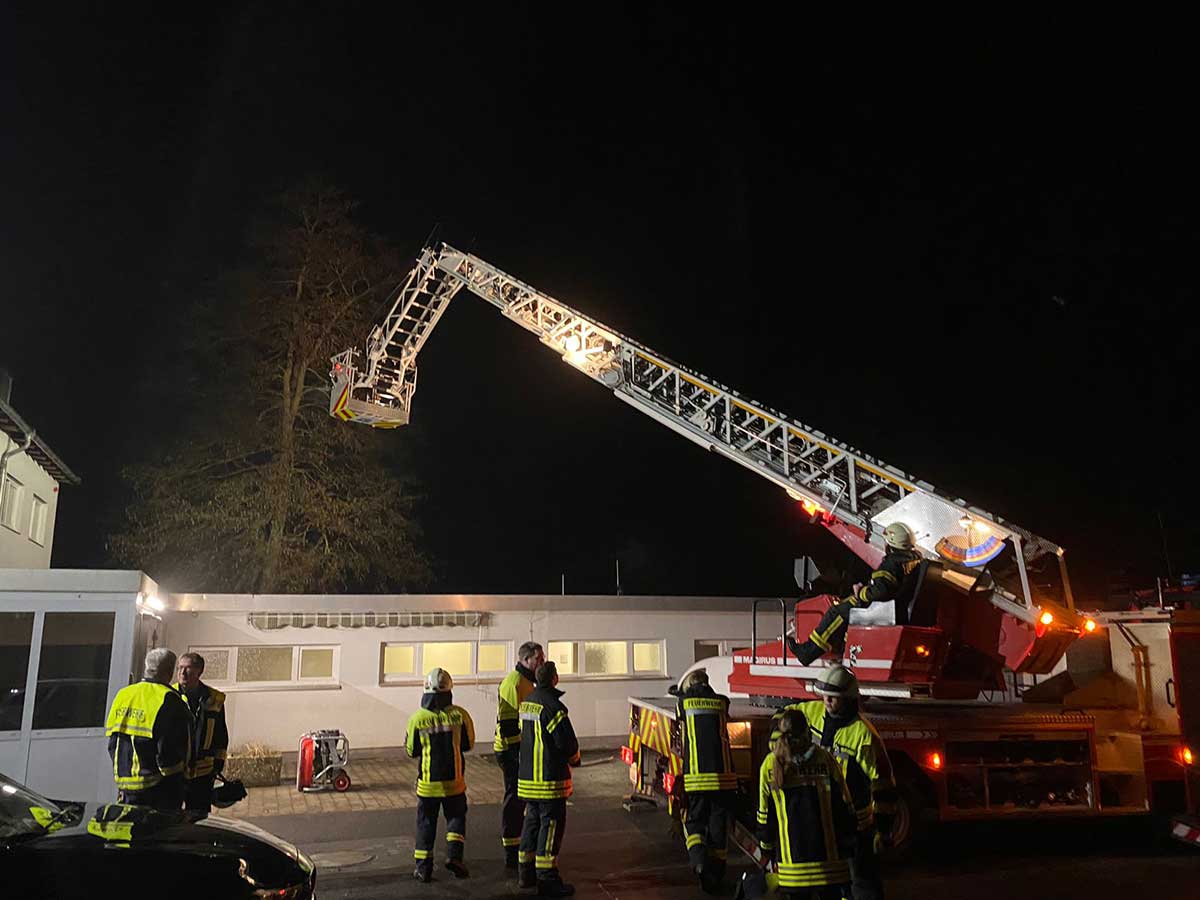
(256, 765)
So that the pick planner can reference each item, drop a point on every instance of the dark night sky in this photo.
(976, 264)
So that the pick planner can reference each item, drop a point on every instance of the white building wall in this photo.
(373, 714)
(18, 549)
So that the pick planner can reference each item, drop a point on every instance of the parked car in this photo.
(51, 848)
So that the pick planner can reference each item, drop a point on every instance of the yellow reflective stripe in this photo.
(420, 854)
(785, 837)
(884, 574)
(525, 856)
(833, 626)
(455, 837)
(694, 840)
(131, 730)
(693, 755)
(171, 770)
(555, 720)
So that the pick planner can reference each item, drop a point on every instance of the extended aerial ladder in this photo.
(854, 495)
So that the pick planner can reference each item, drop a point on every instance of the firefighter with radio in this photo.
(148, 727)
(438, 734)
(838, 726)
(515, 687)
(548, 750)
(709, 779)
(897, 578)
(209, 734)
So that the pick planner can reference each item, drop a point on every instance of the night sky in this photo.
(975, 261)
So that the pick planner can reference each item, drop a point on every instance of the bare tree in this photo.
(265, 492)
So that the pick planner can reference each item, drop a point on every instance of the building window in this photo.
(316, 662)
(399, 662)
(72, 681)
(492, 657)
(270, 665)
(37, 521)
(453, 656)
(17, 631)
(564, 655)
(10, 503)
(216, 665)
(648, 657)
(605, 658)
(263, 664)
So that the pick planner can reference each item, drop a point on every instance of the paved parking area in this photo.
(384, 779)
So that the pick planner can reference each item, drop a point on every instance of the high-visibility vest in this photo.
(707, 760)
(438, 738)
(516, 686)
(134, 711)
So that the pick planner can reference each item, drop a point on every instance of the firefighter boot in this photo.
(424, 871)
(458, 867)
(527, 876)
(510, 857)
(554, 886)
(805, 653)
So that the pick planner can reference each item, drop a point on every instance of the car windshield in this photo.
(24, 812)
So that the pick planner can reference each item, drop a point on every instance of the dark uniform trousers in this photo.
(541, 838)
(706, 825)
(455, 810)
(864, 869)
(512, 808)
(166, 795)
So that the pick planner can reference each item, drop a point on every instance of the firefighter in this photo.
(210, 737)
(805, 820)
(895, 579)
(709, 779)
(516, 686)
(838, 726)
(439, 733)
(148, 727)
(548, 750)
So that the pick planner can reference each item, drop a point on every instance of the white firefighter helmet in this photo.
(899, 536)
(836, 681)
(438, 681)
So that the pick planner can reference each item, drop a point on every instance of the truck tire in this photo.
(911, 825)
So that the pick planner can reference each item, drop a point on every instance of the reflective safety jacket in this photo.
(548, 747)
(864, 760)
(707, 760)
(516, 686)
(210, 737)
(895, 579)
(807, 825)
(439, 733)
(147, 730)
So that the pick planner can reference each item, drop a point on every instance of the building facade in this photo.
(30, 477)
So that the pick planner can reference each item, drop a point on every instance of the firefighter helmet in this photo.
(438, 681)
(693, 678)
(836, 681)
(899, 536)
(228, 793)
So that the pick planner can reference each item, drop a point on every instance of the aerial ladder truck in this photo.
(994, 610)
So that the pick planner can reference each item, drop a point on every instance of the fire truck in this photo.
(996, 697)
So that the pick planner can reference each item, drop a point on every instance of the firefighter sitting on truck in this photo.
(805, 821)
(896, 579)
(439, 733)
(838, 726)
(709, 779)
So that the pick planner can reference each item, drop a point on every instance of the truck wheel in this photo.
(910, 826)
(341, 782)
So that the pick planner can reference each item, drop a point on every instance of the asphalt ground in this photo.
(613, 854)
